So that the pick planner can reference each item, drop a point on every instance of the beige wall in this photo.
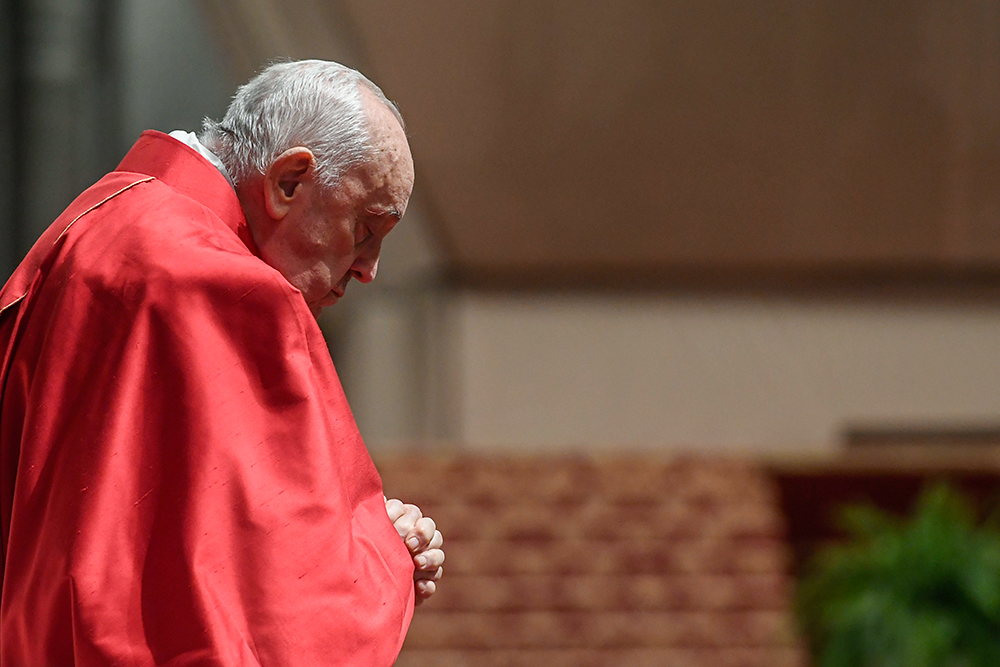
(554, 372)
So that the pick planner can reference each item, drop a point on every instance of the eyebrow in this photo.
(380, 212)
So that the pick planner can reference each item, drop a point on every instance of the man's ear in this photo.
(285, 178)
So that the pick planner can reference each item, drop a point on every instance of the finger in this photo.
(421, 534)
(429, 560)
(394, 508)
(407, 521)
(424, 589)
(437, 541)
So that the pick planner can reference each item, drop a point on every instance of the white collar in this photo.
(191, 139)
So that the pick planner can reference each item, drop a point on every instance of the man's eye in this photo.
(361, 234)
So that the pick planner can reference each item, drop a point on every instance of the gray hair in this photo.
(312, 103)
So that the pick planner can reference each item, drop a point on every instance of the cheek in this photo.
(313, 277)
(326, 268)
(310, 284)
(339, 263)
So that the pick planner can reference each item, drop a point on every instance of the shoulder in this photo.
(151, 245)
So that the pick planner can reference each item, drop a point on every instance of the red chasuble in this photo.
(181, 479)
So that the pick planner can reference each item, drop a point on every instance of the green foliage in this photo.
(923, 592)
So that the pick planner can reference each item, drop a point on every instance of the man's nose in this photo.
(365, 267)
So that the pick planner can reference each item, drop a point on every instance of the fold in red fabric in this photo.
(181, 479)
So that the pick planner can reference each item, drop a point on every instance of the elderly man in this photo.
(181, 479)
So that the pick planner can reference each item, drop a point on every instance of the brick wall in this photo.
(579, 562)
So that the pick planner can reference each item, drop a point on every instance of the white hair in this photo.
(313, 103)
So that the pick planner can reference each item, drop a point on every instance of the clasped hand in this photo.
(424, 541)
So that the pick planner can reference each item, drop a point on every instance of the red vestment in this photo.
(181, 479)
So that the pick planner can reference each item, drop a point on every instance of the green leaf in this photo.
(921, 592)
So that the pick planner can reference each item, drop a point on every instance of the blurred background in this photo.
(745, 256)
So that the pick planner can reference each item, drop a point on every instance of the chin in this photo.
(325, 302)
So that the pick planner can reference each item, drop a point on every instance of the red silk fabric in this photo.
(181, 479)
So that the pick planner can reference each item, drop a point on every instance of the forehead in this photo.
(391, 166)
(379, 185)
(385, 180)
(387, 134)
